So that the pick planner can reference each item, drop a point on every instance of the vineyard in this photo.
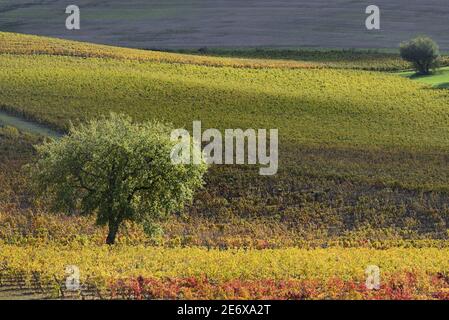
(19, 44)
(363, 175)
(370, 60)
(201, 273)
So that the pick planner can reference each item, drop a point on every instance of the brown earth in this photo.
(231, 23)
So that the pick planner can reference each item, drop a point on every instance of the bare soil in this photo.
(231, 23)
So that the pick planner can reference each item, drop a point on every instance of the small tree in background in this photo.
(422, 52)
(117, 170)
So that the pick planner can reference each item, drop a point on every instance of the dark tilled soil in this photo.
(231, 23)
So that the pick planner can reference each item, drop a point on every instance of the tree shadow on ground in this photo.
(418, 75)
(444, 85)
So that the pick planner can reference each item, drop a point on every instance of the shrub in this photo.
(422, 52)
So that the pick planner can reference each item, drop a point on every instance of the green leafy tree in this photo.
(422, 52)
(116, 169)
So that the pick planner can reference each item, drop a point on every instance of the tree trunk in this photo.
(113, 229)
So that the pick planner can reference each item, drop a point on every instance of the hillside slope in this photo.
(32, 45)
(357, 149)
(241, 58)
(325, 106)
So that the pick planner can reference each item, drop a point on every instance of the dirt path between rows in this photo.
(8, 119)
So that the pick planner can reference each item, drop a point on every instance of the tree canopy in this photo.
(422, 51)
(116, 169)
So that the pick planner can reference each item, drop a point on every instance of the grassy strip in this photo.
(438, 79)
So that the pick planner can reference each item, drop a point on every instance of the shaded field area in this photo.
(336, 204)
(371, 60)
(357, 59)
(231, 23)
